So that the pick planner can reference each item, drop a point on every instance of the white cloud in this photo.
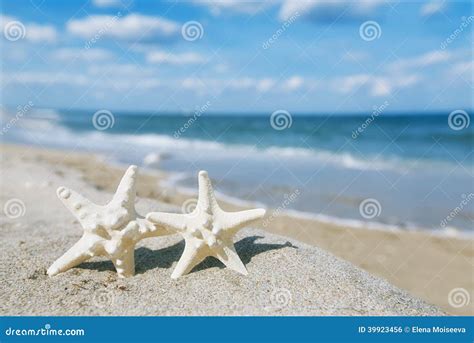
(134, 27)
(258, 85)
(179, 59)
(355, 56)
(466, 68)
(49, 78)
(264, 85)
(92, 55)
(108, 83)
(121, 70)
(4, 19)
(234, 6)
(432, 7)
(32, 32)
(425, 60)
(328, 10)
(41, 33)
(376, 85)
(211, 85)
(111, 3)
(221, 68)
(294, 83)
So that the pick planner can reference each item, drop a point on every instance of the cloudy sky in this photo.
(243, 56)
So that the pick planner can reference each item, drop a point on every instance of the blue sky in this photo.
(301, 56)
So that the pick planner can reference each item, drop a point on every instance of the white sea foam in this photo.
(50, 132)
(163, 144)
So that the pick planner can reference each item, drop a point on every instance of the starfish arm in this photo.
(231, 259)
(147, 229)
(126, 190)
(80, 207)
(234, 221)
(191, 257)
(170, 221)
(132, 231)
(206, 200)
(78, 253)
(125, 264)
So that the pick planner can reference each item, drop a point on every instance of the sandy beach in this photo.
(291, 264)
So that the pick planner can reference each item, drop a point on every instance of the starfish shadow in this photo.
(247, 248)
(98, 265)
(147, 259)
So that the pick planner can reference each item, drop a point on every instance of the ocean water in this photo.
(411, 171)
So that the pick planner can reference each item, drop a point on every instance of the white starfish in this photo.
(111, 230)
(207, 231)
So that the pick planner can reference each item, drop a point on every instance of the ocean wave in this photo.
(154, 148)
(42, 123)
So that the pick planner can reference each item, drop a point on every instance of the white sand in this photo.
(285, 277)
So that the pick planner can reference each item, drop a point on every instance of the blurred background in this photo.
(349, 100)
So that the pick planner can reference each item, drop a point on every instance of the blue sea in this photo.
(413, 171)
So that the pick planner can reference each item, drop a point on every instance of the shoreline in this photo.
(170, 179)
(426, 265)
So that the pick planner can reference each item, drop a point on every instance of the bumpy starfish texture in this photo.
(207, 231)
(111, 230)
